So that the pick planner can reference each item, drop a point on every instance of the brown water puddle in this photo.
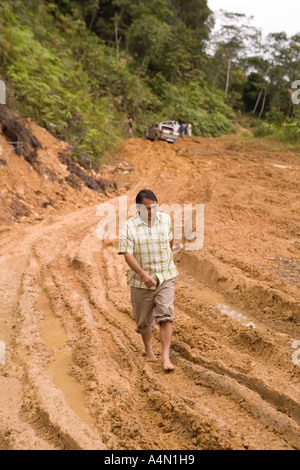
(55, 338)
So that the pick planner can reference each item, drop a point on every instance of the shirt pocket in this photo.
(163, 239)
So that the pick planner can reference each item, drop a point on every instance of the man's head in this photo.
(146, 203)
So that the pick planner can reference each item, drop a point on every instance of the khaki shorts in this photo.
(148, 304)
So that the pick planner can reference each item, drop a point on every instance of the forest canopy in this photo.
(81, 68)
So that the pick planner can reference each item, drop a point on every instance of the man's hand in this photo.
(148, 280)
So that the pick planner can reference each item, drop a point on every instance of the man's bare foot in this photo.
(168, 366)
(150, 356)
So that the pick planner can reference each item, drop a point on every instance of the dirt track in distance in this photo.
(75, 376)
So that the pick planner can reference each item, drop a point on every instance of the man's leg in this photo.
(142, 303)
(166, 330)
(150, 356)
(164, 316)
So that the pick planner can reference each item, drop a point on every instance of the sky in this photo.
(272, 16)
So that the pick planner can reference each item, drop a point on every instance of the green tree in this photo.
(236, 37)
(196, 15)
(149, 39)
(259, 80)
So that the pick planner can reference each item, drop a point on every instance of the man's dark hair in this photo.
(145, 194)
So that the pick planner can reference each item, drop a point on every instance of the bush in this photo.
(290, 132)
(202, 107)
(275, 117)
(263, 130)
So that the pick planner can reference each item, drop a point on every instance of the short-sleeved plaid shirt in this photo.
(150, 246)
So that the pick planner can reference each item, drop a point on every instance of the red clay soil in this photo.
(74, 375)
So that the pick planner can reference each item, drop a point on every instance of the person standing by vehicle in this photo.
(189, 129)
(146, 242)
(130, 127)
(176, 127)
(182, 130)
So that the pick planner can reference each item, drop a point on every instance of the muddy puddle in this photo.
(60, 371)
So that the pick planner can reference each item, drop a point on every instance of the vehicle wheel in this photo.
(156, 138)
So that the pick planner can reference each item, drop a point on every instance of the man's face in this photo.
(147, 209)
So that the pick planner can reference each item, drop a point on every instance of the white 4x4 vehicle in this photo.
(166, 130)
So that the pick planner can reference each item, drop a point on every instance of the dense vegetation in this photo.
(81, 68)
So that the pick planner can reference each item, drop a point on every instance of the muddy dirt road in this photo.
(73, 373)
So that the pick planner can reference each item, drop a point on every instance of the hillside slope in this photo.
(74, 365)
(64, 77)
(37, 182)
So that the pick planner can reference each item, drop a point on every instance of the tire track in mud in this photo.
(116, 319)
(38, 401)
(137, 365)
(160, 392)
(259, 357)
(229, 389)
(45, 404)
(84, 292)
(241, 378)
(160, 397)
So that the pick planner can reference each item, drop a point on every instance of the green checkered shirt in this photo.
(150, 246)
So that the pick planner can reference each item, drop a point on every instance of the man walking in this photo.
(146, 241)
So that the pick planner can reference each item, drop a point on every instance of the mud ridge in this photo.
(280, 401)
(242, 290)
(47, 399)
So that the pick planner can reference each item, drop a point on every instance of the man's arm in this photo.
(170, 235)
(134, 265)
